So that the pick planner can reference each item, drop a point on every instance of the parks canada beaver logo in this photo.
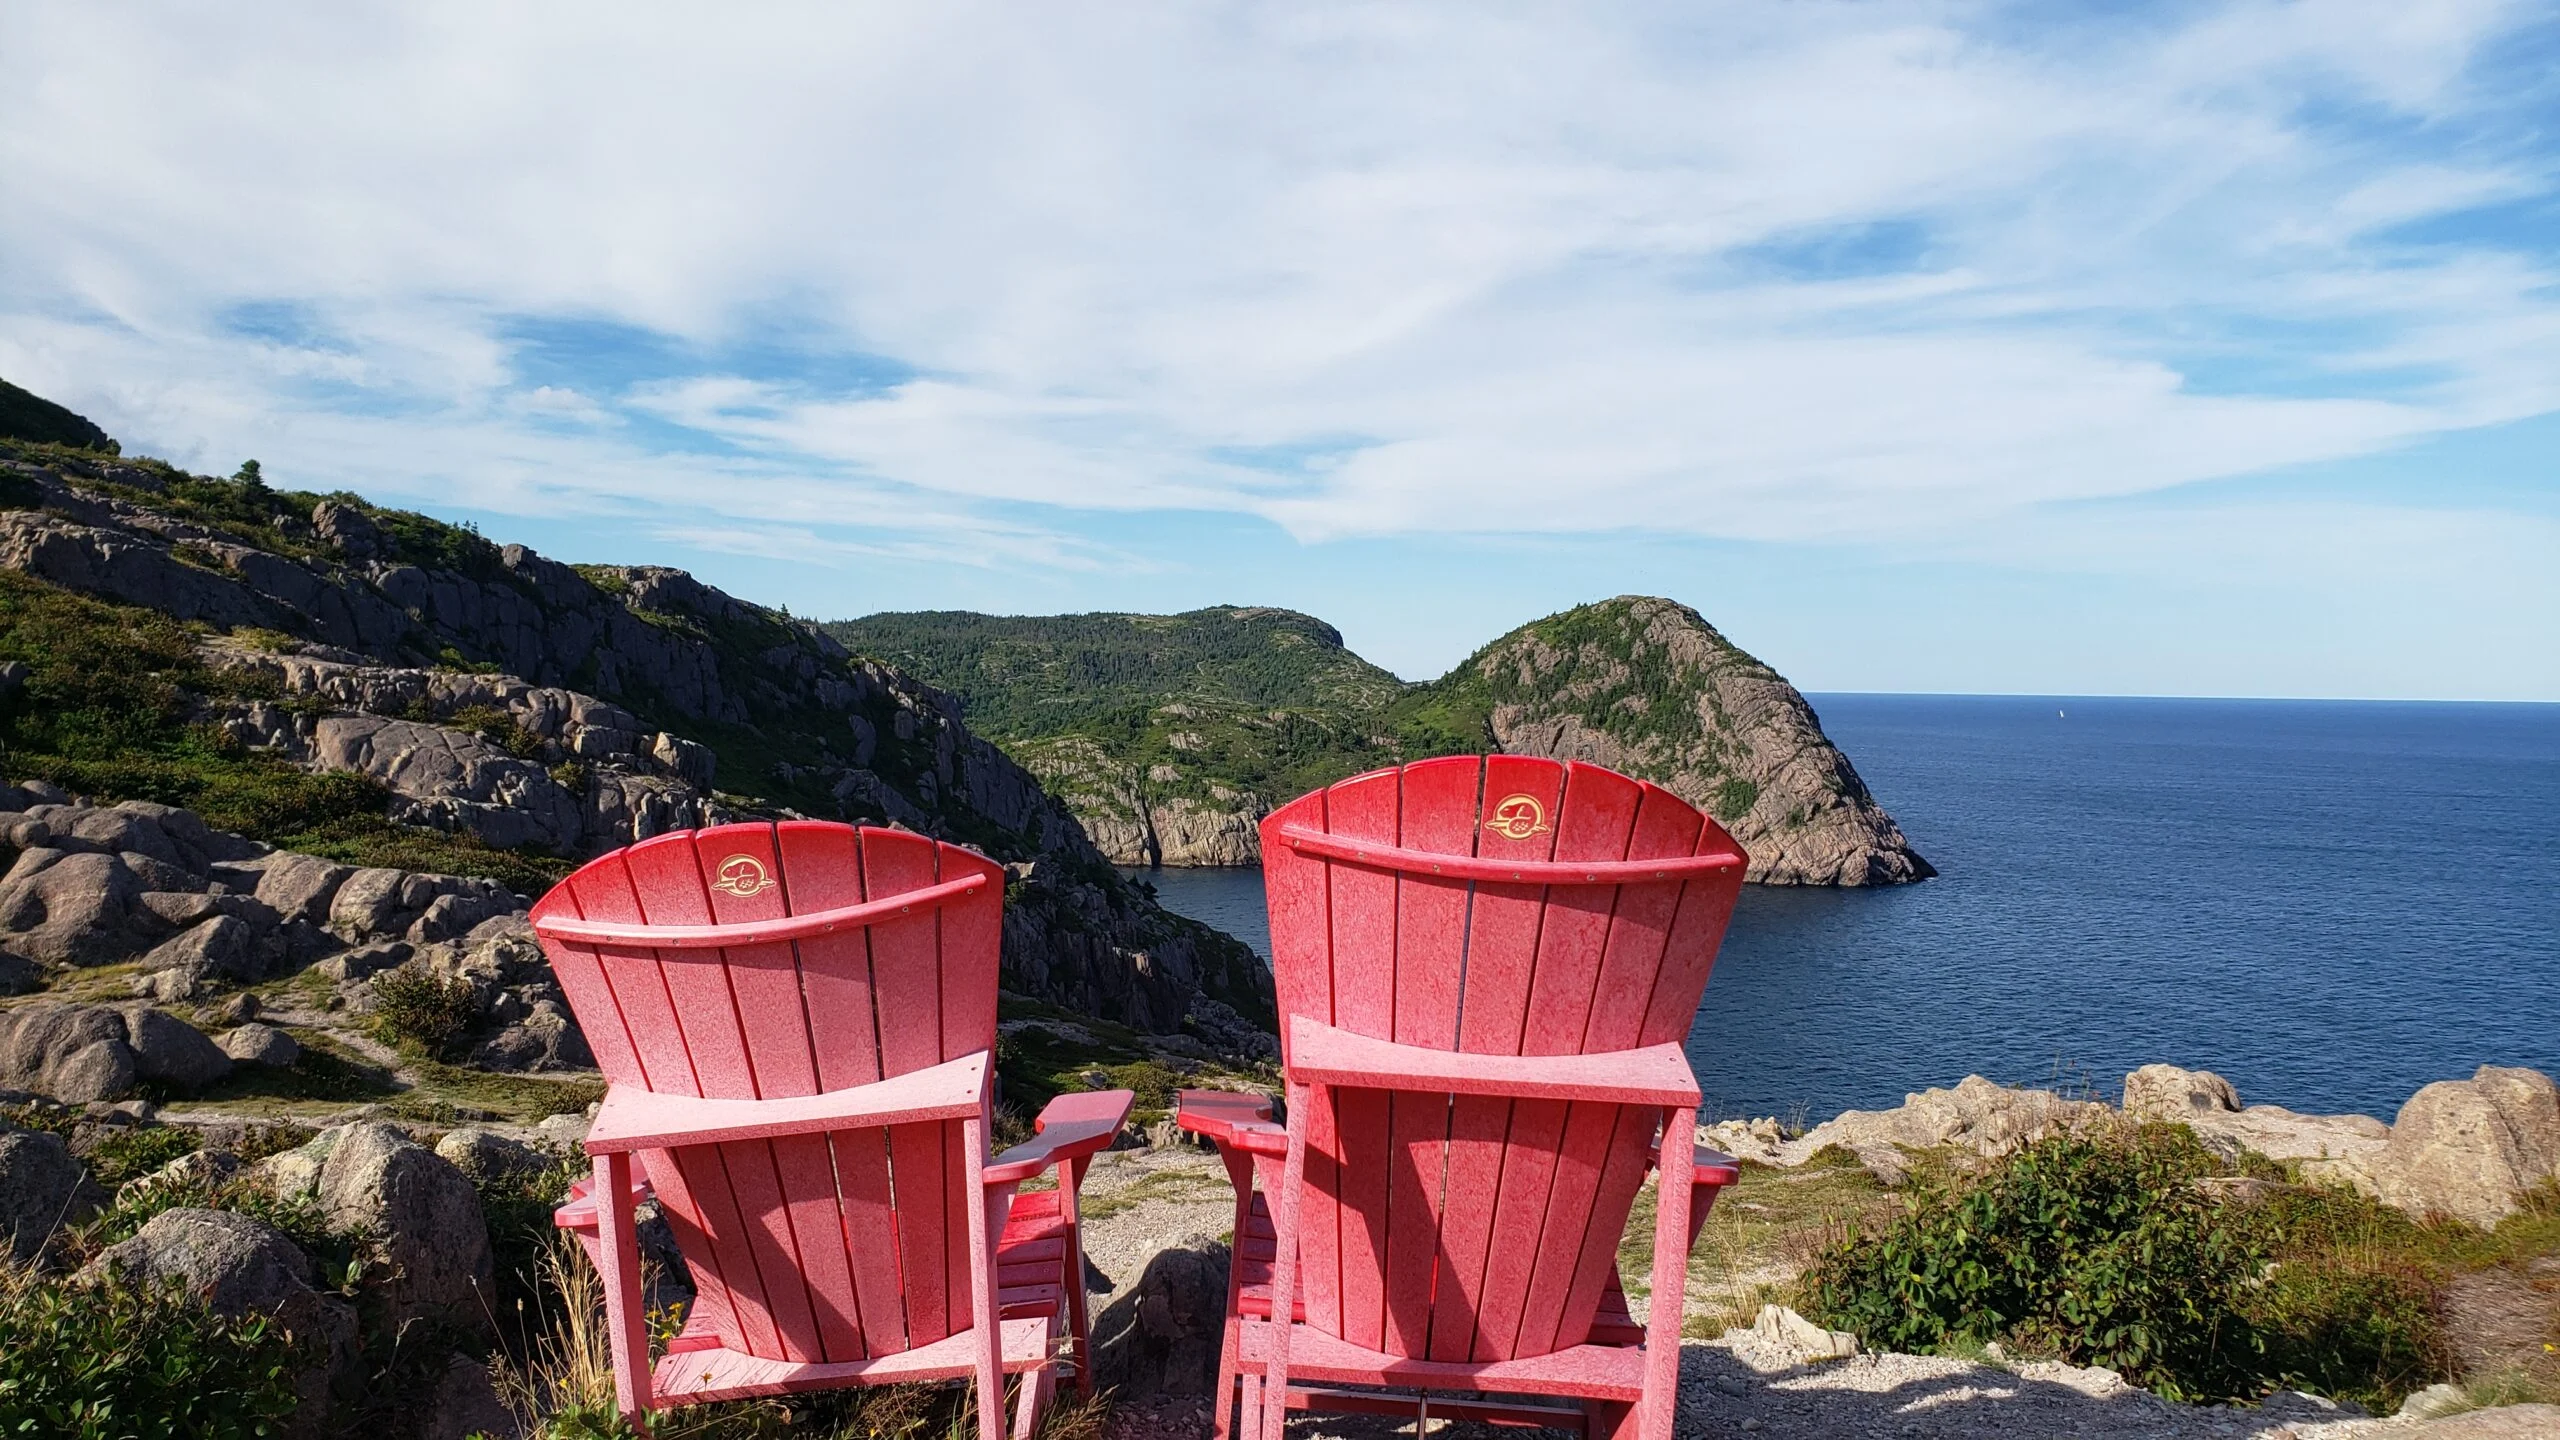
(1517, 817)
(742, 876)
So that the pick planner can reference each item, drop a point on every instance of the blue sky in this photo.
(2205, 348)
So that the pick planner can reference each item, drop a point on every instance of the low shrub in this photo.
(416, 1004)
(2104, 1249)
(112, 1362)
(2098, 1249)
(129, 1154)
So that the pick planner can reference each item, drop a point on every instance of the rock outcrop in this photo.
(2463, 1149)
(78, 1053)
(2468, 1148)
(1648, 687)
(2344, 1148)
(1984, 1119)
(532, 706)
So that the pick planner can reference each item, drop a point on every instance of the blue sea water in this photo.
(2329, 903)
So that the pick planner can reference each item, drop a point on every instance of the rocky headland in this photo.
(1171, 736)
(486, 710)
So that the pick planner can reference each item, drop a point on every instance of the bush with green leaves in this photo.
(417, 1004)
(120, 1362)
(2106, 1248)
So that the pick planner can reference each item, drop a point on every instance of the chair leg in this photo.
(1252, 1410)
(1079, 1325)
(1220, 1421)
(617, 1253)
(1661, 1403)
(1038, 1387)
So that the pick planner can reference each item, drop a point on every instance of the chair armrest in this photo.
(1228, 1118)
(635, 1119)
(1715, 1169)
(1071, 1127)
(1656, 1075)
(579, 1211)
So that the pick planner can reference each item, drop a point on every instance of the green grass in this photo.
(524, 1099)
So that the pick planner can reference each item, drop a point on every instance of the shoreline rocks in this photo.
(2463, 1149)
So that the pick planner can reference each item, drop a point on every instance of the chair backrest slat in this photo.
(833, 1247)
(1465, 1227)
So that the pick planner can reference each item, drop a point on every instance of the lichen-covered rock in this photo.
(2468, 1148)
(73, 1053)
(257, 1044)
(241, 1266)
(2327, 1147)
(42, 1188)
(424, 1220)
(485, 1155)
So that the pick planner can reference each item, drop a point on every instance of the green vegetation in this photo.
(2118, 1248)
(1269, 702)
(105, 711)
(117, 1362)
(418, 1005)
(1251, 699)
(25, 416)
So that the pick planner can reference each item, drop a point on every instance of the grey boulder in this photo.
(42, 1187)
(90, 1052)
(240, 1266)
(63, 908)
(256, 1044)
(2468, 1148)
(171, 1051)
(486, 1155)
(1162, 1337)
(420, 1215)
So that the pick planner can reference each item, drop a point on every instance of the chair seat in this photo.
(1611, 1325)
(687, 1377)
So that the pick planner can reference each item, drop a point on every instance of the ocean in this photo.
(2328, 903)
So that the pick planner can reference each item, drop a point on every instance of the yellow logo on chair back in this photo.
(742, 876)
(1517, 817)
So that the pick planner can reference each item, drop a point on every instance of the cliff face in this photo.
(539, 710)
(1646, 686)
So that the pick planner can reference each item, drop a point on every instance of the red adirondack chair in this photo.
(798, 1024)
(1486, 968)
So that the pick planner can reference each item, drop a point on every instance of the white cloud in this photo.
(1574, 268)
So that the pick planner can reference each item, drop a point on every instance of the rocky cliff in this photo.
(531, 712)
(1171, 736)
(1648, 687)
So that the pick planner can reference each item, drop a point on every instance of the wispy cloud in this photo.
(919, 280)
